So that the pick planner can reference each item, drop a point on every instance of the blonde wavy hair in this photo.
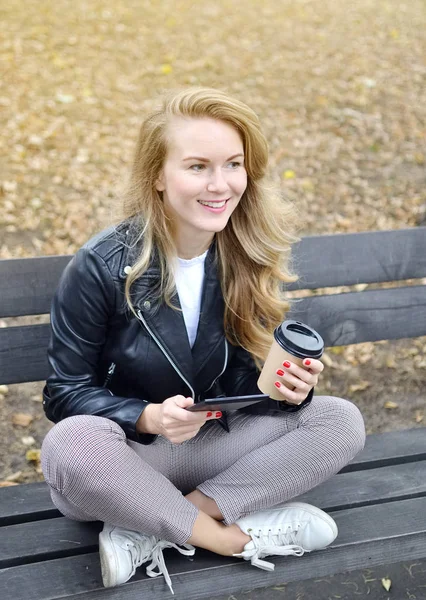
(254, 247)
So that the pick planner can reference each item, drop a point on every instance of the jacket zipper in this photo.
(223, 370)
(157, 341)
(109, 375)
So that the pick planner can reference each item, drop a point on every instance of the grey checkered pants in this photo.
(95, 473)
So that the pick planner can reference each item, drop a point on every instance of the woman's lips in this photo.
(215, 206)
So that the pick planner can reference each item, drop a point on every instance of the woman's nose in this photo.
(217, 182)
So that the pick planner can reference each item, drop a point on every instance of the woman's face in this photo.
(203, 178)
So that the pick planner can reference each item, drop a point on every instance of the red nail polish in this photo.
(286, 364)
(307, 362)
(209, 414)
(280, 372)
(218, 414)
(277, 384)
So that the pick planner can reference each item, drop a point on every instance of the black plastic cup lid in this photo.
(299, 339)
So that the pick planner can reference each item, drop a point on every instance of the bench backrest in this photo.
(27, 286)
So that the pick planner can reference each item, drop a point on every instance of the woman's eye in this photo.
(197, 168)
(234, 164)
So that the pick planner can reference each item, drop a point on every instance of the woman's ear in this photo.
(159, 183)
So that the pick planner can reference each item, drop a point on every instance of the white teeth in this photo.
(213, 204)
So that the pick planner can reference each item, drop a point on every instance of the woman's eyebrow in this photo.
(201, 159)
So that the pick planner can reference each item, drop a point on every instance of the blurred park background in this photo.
(340, 88)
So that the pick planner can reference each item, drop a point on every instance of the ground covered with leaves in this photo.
(340, 89)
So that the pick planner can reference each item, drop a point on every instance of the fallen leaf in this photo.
(35, 140)
(28, 440)
(343, 222)
(391, 405)
(308, 185)
(419, 416)
(289, 174)
(390, 362)
(4, 389)
(359, 387)
(87, 92)
(166, 69)
(36, 203)
(321, 100)
(366, 352)
(37, 398)
(360, 287)
(33, 455)
(327, 360)
(14, 476)
(386, 583)
(7, 484)
(337, 349)
(370, 83)
(65, 98)
(22, 419)
(58, 61)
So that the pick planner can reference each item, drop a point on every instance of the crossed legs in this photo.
(96, 474)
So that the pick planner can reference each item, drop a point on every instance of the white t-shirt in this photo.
(189, 276)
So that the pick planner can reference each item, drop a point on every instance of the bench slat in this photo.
(346, 259)
(368, 316)
(50, 539)
(23, 353)
(340, 318)
(390, 448)
(45, 540)
(361, 488)
(30, 284)
(399, 530)
(41, 540)
(367, 257)
(29, 502)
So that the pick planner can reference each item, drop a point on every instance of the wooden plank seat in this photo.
(378, 500)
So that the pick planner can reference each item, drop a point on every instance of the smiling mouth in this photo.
(214, 203)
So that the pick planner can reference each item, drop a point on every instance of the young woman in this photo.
(175, 304)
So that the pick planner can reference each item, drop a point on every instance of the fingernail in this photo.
(280, 372)
(277, 384)
(218, 414)
(286, 364)
(307, 362)
(209, 414)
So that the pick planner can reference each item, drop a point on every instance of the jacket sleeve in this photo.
(82, 306)
(240, 379)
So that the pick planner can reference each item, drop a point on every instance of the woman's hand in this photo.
(300, 379)
(172, 421)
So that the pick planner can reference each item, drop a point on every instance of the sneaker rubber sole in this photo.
(107, 556)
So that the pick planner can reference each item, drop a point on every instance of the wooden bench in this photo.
(378, 500)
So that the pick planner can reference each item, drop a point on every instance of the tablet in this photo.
(227, 403)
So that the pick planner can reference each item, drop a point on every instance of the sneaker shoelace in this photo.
(158, 564)
(278, 543)
(140, 548)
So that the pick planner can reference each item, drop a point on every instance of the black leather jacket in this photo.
(104, 361)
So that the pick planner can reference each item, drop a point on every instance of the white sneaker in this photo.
(294, 528)
(121, 552)
(159, 563)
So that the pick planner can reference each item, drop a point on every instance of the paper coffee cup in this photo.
(293, 341)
